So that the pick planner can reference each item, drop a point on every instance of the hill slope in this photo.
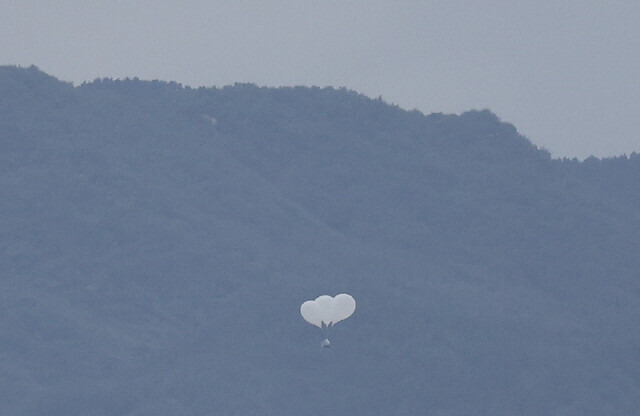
(157, 242)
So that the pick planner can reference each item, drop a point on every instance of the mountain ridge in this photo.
(153, 260)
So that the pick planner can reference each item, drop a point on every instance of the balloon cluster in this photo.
(325, 311)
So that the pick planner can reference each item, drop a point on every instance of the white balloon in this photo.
(343, 307)
(327, 310)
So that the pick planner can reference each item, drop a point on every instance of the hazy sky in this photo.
(565, 73)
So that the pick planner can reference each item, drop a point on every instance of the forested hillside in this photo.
(157, 242)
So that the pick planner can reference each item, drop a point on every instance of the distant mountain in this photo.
(157, 242)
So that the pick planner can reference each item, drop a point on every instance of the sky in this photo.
(565, 73)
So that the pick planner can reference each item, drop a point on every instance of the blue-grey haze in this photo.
(157, 242)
